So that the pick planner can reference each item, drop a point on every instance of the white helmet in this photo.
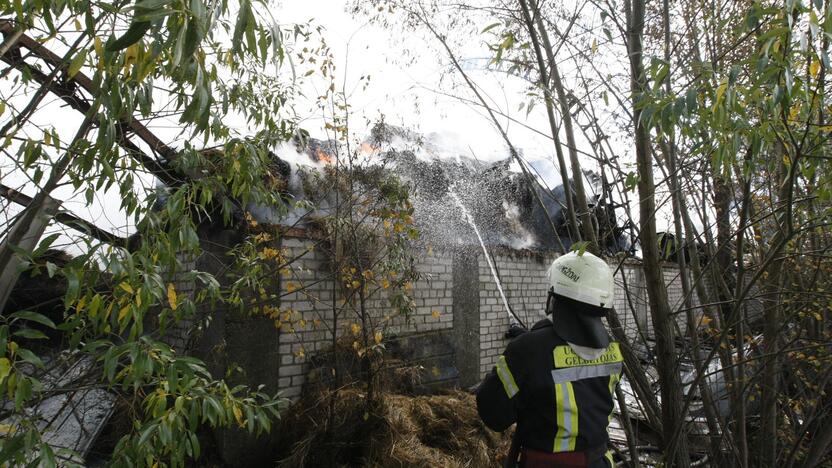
(584, 278)
(581, 292)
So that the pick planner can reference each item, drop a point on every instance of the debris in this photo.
(73, 419)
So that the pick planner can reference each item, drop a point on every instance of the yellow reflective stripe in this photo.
(559, 435)
(609, 458)
(506, 378)
(573, 432)
(567, 418)
(614, 378)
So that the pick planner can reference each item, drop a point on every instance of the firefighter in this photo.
(557, 381)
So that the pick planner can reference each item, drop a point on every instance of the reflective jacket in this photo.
(559, 401)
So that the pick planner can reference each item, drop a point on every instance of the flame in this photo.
(367, 148)
(323, 157)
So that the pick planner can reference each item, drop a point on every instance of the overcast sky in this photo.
(406, 87)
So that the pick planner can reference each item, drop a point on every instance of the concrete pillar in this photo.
(466, 310)
(236, 338)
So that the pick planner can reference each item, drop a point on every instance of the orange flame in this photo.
(367, 148)
(323, 157)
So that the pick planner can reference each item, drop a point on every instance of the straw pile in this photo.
(401, 431)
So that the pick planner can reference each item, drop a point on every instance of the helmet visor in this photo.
(579, 323)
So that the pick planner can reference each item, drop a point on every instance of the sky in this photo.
(409, 86)
(406, 90)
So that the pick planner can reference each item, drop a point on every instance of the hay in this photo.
(401, 431)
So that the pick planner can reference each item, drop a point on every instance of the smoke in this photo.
(523, 239)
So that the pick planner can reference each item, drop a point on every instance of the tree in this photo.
(121, 65)
(725, 114)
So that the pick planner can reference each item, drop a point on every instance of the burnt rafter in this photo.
(66, 219)
(67, 90)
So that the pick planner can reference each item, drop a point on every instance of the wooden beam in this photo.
(67, 219)
(66, 89)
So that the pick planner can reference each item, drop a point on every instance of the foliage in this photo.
(207, 65)
(726, 110)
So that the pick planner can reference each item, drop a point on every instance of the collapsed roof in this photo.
(451, 190)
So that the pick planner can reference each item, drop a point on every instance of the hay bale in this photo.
(400, 431)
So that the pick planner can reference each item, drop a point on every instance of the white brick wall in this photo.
(523, 275)
(432, 295)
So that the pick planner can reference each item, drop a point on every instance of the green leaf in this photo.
(76, 63)
(133, 35)
(490, 27)
(579, 247)
(32, 317)
(30, 333)
(29, 357)
(44, 245)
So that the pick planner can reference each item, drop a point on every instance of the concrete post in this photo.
(466, 310)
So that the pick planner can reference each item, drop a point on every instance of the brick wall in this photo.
(311, 307)
(476, 318)
(523, 276)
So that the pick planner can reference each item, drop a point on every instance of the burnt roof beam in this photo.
(67, 219)
(66, 90)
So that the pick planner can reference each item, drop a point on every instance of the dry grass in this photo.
(401, 430)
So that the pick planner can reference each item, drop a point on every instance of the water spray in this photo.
(491, 266)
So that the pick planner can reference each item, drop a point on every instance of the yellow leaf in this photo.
(291, 287)
(435, 314)
(594, 45)
(123, 312)
(355, 328)
(826, 128)
(77, 25)
(238, 415)
(705, 320)
(794, 111)
(814, 68)
(76, 63)
(720, 92)
(172, 296)
(126, 287)
(377, 337)
(5, 368)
